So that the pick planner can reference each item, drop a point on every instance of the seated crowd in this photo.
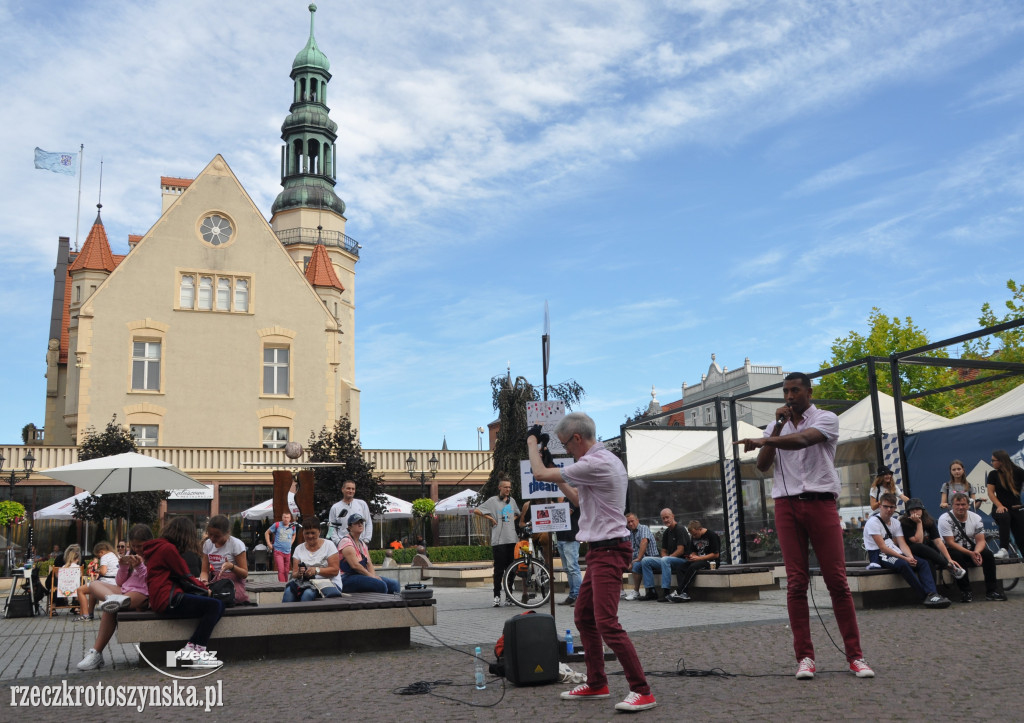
(683, 551)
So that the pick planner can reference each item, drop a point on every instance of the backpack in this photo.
(223, 590)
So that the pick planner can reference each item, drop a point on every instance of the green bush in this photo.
(451, 553)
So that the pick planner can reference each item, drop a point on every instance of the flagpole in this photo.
(78, 211)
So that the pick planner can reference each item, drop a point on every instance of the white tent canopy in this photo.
(704, 454)
(61, 510)
(1006, 405)
(265, 510)
(457, 504)
(652, 450)
(856, 422)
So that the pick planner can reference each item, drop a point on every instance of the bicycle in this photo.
(526, 581)
(992, 541)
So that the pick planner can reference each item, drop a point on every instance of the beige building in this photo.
(217, 328)
(220, 336)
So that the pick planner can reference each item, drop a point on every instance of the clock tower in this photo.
(308, 214)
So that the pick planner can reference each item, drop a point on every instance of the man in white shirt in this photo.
(883, 539)
(349, 505)
(964, 535)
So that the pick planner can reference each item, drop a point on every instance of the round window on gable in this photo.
(216, 230)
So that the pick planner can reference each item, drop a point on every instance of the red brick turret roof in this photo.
(95, 254)
(320, 271)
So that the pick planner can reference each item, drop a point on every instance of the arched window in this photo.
(187, 293)
(223, 294)
(241, 295)
(206, 292)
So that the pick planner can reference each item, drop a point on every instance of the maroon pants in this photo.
(817, 521)
(597, 617)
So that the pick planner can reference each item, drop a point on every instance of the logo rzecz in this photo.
(192, 658)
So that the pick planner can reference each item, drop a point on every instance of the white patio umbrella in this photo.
(61, 510)
(124, 473)
(457, 504)
(395, 509)
(265, 510)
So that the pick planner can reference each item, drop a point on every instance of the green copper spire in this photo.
(308, 170)
(311, 56)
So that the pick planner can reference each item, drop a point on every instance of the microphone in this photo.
(783, 418)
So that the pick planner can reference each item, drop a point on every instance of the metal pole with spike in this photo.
(78, 210)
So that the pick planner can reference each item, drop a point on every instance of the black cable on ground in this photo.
(423, 687)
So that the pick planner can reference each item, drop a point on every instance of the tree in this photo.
(341, 445)
(509, 400)
(114, 439)
(885, 336)
(1009, 346)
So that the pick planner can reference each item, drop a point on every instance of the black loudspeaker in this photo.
(531, 650)
(19, 606)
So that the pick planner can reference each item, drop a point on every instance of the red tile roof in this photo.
(674, 420)
(65, 319)
(95, 252)
(176, 182)
(320, 271)
(134, 238)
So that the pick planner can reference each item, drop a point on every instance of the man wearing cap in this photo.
(883, 539)
(964, 535)
(802, 446)
(925, 542)
(596, 483)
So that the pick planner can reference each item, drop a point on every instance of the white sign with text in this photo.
(552, 517)
(535, 490)
(547, 415)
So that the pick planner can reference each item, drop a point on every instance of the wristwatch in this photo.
(318, 572)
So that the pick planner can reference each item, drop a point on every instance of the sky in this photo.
(675, 178)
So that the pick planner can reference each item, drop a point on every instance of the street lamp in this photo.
(17, 476)
(431, 472)
(479, 438)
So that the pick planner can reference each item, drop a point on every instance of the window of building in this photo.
(709, 416)
(275, 437)
(216, 292)
(275, 370)
(216, 230)
(146, 365)
(241, 295)
(235, 499)
(205, 293)
(187, 292)
(145, 435)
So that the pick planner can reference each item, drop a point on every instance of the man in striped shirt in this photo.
(644, 545)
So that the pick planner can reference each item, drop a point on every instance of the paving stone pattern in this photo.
(962, 663)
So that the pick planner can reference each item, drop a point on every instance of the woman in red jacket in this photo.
(166, 574)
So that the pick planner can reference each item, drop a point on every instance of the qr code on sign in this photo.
(558, 516)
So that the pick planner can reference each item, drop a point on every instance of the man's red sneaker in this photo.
(585, 692)
(635, 702)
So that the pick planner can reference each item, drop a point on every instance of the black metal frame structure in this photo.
(894, 362)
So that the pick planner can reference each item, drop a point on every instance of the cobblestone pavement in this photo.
(961, 663)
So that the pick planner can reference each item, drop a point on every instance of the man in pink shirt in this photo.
(596, 484)
(802, 445)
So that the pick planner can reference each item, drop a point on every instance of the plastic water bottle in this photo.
(479, 669)
(568, 642)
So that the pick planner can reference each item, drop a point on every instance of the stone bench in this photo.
(727, 583)
(874, 589)
(354, 622)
